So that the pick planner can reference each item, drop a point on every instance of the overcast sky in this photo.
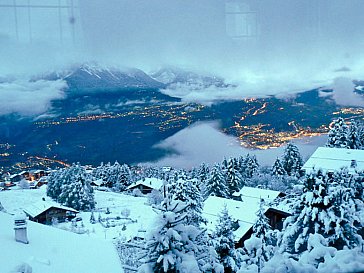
(282, 34)
(266, 46)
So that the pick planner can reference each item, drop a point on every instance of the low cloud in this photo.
(248, 84)
(28, 98)
(280, 85)
(343, 92)
(204, 142)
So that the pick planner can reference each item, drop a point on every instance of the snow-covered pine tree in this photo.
(259, 248)
(224, 165)
(203, 173)
(77, 193)
(171, 247)
(344, 215)
(326, 207)
(188, 192)
(113, 177)
(251, 165)
(307, 218)
(125, 179)
(292, 161)
(102, 172)
(277, 168)
(224, 241)
(216, 184)
(337, 137)
(354, 141)
(55, 181)
(234, 179)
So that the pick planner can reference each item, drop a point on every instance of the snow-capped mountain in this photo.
(92, 76)
(175, 76)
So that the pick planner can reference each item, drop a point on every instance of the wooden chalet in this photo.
(45, 211)
(333, 159)
(146, 185)
(244, 212)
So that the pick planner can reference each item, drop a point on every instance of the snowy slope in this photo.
(173, 75)
(141, 216)
(54, 250)
(93, 76)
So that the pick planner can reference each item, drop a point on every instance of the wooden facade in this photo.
(47, 216)
(276, 219)
(143, 188)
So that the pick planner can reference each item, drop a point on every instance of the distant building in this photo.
(146, 185)
(244, 212)
(333, 159)
(97, 183)
(45, 211)
(250, 192)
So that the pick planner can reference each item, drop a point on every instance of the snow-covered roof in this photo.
(249, 192)
(98, 182)
(55, 250)
(153, 183)
(39, 207)
(243, 211)
(332, 159)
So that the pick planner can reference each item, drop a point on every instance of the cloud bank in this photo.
(204, 142)
(343, 92)
(28, 98)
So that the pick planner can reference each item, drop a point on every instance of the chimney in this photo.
(20, 227)
(353, 164)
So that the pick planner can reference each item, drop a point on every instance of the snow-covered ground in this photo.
(129, 216)
(51, 250)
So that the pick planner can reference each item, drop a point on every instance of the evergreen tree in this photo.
(187, 192)
(224, 165)
(55, 181)
(125, 177)
(171, 246)
(338, 134)
(113, 177)
(102, 171)
(354, 141)
(292, 161)
(203, 173)
(77, 193)
(234, 179)
(250, 165)
(225, 241)
(327, 208)
(277, 168)
(259, 248)
(216, 184)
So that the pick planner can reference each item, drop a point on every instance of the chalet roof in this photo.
(245, 212)
(332, 159)
(38, 208)
(249, 192)
(153, 183)
(98, 182)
